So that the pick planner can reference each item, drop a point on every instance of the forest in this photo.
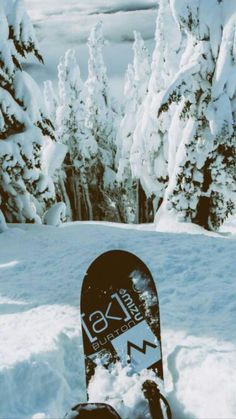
(168, 151)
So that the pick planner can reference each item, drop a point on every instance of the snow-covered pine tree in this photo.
(203, 183)
(127, 184)
(135, 91)
(51, 100)
(101, 120)
(25, 191)
(149, 151)
(71, 131)
(56, 151)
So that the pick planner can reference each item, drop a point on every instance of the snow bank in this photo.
(56, 215)
(3, 226)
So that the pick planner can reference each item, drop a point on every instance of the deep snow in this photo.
(41, 271)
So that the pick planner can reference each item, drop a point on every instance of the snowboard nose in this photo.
(92, 411)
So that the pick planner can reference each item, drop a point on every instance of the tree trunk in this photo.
(203, 207)
(77, 197)
(137, 203)
(145, 206)
(203, 212)
(87, 200)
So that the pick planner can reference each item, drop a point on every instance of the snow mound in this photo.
(55, 215)
(197, 379)
(3, 226)
(122, 390)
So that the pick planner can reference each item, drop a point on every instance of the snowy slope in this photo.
(41, 271)
(63, 24)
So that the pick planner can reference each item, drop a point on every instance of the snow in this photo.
(42, 266)
(22, 122)
(3, 225)
(225, 69)
(123, 391)
(55, 215)
(41, 358)
(204, 125)
(65, 24)
(53, 154)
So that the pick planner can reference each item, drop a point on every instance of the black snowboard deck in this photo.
(120, 314)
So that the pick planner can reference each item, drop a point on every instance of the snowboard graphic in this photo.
(120, 314)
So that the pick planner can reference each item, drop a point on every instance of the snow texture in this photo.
(86, 116)
(65, 24)
(150, 145)
(122, 390)
(3, 225)
(26, 191)
(56, 215)
(200, 102)
(41, 357)
(135, 91)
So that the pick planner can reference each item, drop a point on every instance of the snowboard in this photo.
(92, 411)
(120, 315)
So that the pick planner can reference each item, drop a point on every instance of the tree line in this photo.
(168, 153)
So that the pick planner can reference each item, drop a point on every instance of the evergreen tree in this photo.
(25, 191)
(71, 131)
(101, 120)
(56, 150)
(51, 100)
(127, 184)
(135, 91)
(149, 152)
(202, 185)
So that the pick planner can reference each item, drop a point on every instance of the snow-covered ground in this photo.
(41, 272)
(63, 24)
